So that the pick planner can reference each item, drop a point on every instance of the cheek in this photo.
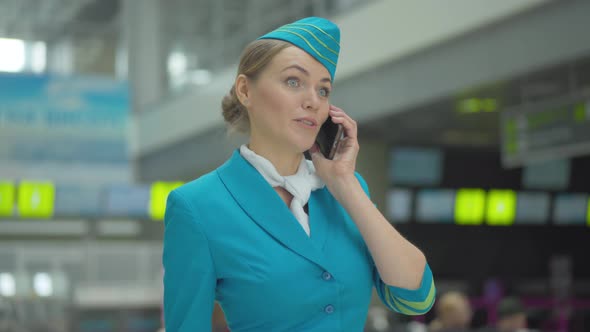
(271, 93)
(324, 111)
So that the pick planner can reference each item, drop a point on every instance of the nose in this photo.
(311, 101)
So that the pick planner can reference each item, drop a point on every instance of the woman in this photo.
(282, 243)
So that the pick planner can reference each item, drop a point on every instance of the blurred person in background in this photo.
(512, 316)
(283, 243)
(453, 313)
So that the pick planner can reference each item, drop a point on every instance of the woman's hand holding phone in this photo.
(342, 166)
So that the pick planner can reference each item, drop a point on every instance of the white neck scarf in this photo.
(300, 185)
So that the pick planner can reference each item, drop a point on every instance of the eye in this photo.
(292, 82)
(324, 92)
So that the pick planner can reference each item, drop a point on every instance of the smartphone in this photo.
(329, 137)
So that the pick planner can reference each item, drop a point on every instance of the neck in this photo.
(284, 160)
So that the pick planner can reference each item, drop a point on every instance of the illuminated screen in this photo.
(77, 201)
(435, 206)
(571, 209)
(6, 198)
(550, 175)
(416, 166)
(127, 201)
(399, 205)
(532, 208)
(36, 199)
(469, 206)
(501, 207)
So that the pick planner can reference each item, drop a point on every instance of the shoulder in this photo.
(205, 185)
(200, 195)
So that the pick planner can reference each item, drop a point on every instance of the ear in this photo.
(242, 89)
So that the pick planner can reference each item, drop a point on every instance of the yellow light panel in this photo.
(158, 196)
(469, 206)
(36, 199)
(6, 198)
(501, 207)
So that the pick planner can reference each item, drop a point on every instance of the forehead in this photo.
(295, 56)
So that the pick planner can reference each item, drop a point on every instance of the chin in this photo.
(303, 146)
(300, 143)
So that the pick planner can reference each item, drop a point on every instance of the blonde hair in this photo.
(255, 57)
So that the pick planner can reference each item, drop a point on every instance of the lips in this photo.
(307, 121)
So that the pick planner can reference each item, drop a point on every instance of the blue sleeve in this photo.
(189, 274)
(405, 301)
(408, 301)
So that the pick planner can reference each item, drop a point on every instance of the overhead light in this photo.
(177, 64)
(7, 285)
(38, 57)
(477, 105)
(13, 55)
(42, 284)
(200, 77)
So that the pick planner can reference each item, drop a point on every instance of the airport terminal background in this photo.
(474, 126)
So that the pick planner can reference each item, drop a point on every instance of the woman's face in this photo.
(288, 102)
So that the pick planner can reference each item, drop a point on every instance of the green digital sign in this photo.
(553, 129)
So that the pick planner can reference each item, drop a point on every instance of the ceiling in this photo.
(441, 123)
(211, 32)
(48, 20)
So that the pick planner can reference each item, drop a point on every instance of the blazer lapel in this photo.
(265, 207)
(320, 220)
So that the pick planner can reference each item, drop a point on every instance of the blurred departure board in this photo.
(36, 199)
(7, 190)
(553, 129)
(415, 166)
(435, 205)
(77, 201)
(158, 196)
(532, 208)
(127, 201)
(399, 205)
(571, 209)
(548, 175)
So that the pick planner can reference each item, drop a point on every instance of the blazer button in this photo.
(329, 309)
(326, 276)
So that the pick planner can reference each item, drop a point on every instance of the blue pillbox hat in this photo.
(317, 36)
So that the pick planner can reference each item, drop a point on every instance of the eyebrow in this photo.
(304, 71)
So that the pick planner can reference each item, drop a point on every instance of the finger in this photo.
(339, 112)
(335, 108)
(350, 127)
(353, 124)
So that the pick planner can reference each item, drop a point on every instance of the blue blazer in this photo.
(229, 237)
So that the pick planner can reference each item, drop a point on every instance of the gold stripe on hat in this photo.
(308, 44)
(315, 26)
(316, 38)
